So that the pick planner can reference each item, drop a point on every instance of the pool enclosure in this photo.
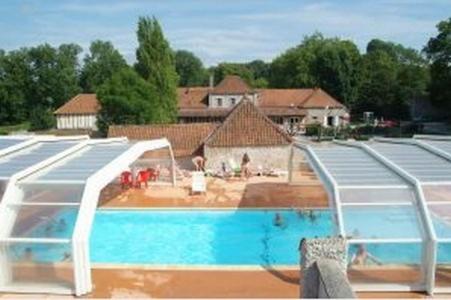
(51, 187)
(392, 201)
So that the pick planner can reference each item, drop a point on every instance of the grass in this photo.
(7, 129)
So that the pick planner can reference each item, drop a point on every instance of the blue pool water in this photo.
(203, 237)
(229, 237)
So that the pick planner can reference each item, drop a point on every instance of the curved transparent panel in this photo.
(30, 156)
(377, 195)
(38, 264)
(419, 162)
(7, 142)
(353, 166)
(58, 193)
(382, 222)
(385, 263)
(437, 193)
(84, 164)
(55, 222)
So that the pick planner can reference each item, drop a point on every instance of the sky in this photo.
(217, 31)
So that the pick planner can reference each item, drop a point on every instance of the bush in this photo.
(41, 118)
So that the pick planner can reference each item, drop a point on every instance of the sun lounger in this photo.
(234, 166)
(199, 184)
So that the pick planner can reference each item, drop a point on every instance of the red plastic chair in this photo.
(126, 179)
(142, 177)
(153, 174)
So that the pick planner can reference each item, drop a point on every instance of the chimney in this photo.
(212, 81)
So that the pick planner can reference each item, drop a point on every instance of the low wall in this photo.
(271, 157)
(324, 264)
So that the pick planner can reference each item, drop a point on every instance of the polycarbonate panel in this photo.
(445, 146)
(441, 219)
(380, 195)
(85, 163)
(385, 263)
(6, 142)
(437, 193)
(33, 221)
(419, 162)
(381, 222)
(56, 193)
(353, 166)
(30, 156)
(40, 263)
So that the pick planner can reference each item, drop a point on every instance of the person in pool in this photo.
(62, 225)
(363, 257)
(279, 221)
(28, 255)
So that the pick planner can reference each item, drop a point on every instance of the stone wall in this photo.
(271, 157)
(317, 250)
(315, 115)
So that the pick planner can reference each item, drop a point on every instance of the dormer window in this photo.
(232, 101)
(219, 102)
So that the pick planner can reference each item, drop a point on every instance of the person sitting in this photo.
(199, 163)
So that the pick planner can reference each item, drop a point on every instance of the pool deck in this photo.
(125, 282)
(256, 192)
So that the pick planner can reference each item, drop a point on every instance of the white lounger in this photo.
(199, 183)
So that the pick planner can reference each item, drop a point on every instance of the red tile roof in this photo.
(193, 97)
(247, 125)
(186, 139)
(321, 99)
(80, 104)
(232, 84)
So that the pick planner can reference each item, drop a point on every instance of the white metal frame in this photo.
(322, 173)
(87, 207)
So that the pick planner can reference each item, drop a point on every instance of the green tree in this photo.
(54, 75)
(393, 76)
(156, 64)
(126, 98)
(99, 65)
(329, 63)
(438, 50)
(14, 83)
(224, 69)
(190, 69)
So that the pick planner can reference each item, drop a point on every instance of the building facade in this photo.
(80, 112)
(291, 109)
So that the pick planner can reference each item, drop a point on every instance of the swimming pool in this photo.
(216, 237)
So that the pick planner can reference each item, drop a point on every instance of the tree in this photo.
(393, 76)
(14, 82)
(438, 50)
(156, 64)
(224, 69)
(126, 98)
(190, 69)
(99, 65)
(54, 75)
(329, 63)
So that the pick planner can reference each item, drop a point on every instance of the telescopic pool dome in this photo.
(391, 196)
(44, 179)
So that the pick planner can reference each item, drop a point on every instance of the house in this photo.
(80, 112)
(290, 109)
(246, 129)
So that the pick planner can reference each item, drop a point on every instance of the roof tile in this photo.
(246, 125)
(80, 104)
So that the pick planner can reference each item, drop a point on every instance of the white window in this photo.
(232, 101)
(219, 102)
